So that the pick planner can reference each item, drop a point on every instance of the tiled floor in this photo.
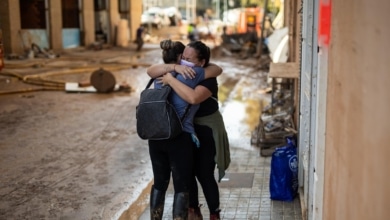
(244, 192)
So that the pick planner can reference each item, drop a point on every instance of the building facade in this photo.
(342, 106)
(61, 24)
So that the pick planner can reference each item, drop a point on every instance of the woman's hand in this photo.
(165, 79)
(185, 71)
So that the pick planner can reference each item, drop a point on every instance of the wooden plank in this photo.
(284, 70)
(75, 87)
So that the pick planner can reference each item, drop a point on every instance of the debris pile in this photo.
(276, 122)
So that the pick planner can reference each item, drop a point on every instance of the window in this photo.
(124, 6)
(70, 14)
(100, 5)
(32, 14)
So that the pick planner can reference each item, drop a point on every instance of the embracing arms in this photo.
(157, 70)
(190, 95)
(212, 70)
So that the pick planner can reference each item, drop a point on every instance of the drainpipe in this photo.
(1, 51)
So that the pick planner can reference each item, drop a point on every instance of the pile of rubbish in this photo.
(276, 123)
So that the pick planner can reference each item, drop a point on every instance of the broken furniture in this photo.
(276, 121)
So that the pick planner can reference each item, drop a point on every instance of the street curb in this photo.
(139, 205)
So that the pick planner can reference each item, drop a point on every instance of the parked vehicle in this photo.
(174, 16)
(155, 17)
(243, 20)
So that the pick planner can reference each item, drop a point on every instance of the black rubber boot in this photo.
(195, 213)
(157, 199)
(215, 216)
(180, 206)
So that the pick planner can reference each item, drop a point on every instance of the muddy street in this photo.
(76, 155)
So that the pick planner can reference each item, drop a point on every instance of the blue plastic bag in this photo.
(284, 172)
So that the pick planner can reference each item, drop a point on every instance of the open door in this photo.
(102, 25)
(34, 25)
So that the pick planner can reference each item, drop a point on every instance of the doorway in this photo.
(33, 18)
(102, 26)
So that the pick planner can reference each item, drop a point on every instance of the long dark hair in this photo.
(203, 51)
(171, 50)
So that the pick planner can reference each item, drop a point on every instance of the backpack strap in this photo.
(149, 83)
(152, 79)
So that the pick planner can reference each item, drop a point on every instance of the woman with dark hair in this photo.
(209, 128)
(175, 155)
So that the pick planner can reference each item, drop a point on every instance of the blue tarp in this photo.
(70, 37)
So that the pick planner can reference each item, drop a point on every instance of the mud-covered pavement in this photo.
(77, 155)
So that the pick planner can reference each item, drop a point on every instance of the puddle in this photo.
(242, 96)
(226, 88)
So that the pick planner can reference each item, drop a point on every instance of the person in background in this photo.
(211, 132)
(140, 37)
(193, 33)
(175, 155)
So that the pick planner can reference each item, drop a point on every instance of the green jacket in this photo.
(222, 157)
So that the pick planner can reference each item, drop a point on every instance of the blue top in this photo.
(180, 104)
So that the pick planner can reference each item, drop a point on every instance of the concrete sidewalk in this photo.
(244, 192)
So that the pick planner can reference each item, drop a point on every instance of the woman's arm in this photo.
(158, 70)
(212, 70)
(192, 96)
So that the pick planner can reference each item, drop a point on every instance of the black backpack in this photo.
(156, 117)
